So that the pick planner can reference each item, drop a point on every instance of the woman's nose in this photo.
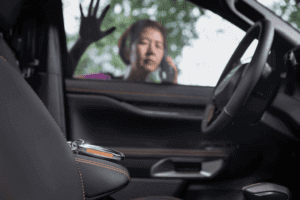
(151, 48)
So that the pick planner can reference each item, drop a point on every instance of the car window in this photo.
(198, 45)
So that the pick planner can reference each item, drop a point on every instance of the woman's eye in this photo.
(143, 42)
(159, 45)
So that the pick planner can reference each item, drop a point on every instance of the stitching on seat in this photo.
(83, 191)
(90, 161)
(102, 165)
(81, 181)
(166, 197)
(3, 58)
(98, 163)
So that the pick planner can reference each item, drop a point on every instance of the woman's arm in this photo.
(89, 32)
(76, 52)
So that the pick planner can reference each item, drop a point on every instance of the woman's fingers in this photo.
(82, 15)
(90, 8)
(170, 61)
(96, 8)
(109, 31)
(104, 13)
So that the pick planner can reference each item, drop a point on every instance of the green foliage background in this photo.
(176, 16)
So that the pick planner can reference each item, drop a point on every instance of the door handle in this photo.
(187, 168)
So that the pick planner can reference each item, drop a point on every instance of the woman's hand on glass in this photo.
(90, 25)
(170, 62)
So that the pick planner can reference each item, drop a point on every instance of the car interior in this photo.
(67, 138)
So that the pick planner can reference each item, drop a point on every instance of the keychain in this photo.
(95, 151)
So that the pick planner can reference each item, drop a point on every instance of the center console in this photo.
(99, 169)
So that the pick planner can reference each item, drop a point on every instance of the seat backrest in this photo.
(47, 81)
(35, 159)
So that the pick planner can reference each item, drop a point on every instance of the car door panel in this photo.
(146, 122)
(104, 117)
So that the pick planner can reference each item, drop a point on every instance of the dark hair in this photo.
(132, 34)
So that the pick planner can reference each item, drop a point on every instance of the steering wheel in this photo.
(237, 83)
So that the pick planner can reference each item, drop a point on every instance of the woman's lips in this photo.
(148, 61)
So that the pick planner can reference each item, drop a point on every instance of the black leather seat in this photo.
(36, 162)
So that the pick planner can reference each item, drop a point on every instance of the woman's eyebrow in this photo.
(148, 38)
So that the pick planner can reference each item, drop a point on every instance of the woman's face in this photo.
(149, 49)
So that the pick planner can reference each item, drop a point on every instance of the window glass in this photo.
(199, 43)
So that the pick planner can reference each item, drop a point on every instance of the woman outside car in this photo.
(142, 47)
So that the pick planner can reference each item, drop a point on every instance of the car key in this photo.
(95, 151)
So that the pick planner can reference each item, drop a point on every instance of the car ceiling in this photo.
(10, 9)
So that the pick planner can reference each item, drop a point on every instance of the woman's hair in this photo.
(133, 33)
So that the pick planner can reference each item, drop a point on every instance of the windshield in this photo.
(286, 9)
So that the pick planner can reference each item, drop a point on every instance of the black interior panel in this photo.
(103, 121)
(142, 92)
(145, 126)
(137, 115)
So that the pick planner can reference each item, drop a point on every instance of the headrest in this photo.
(9, 12)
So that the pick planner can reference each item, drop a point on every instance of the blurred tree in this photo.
(177, 16)
(294, 17)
